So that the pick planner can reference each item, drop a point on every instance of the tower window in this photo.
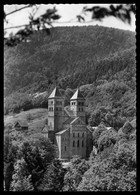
(65, 148)
(82, 143)
(73, 143)
(51, 102)
(50, 109)
(78, 143)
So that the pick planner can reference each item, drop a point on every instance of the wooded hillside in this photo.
(99, 59)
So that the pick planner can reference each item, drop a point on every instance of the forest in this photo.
(101, 62)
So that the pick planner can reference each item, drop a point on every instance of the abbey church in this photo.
(67, 126)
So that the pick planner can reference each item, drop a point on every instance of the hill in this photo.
(99, 60)
(64, 55)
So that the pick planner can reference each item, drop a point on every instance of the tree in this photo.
(97, 132)
(21, 178)
(117, 172)
(45, 21)
(53, 177)
(74, 174)
(37, 155)
(10, 156)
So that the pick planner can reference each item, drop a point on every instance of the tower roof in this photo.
(55, 93)
(77, 95)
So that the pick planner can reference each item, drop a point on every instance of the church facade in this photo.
(67, 126)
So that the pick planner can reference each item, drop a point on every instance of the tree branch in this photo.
(27, 6)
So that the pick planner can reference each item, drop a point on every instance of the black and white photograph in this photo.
(69, 97)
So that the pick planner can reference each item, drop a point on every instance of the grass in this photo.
(35, 124)
(35, 114)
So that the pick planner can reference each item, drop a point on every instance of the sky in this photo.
(68, 14)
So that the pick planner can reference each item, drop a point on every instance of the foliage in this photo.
(122, 12)
(37, 155)
(74, 174)
(106, 139)
(10, 156)
(44, 21)
(53, 177)
(97, 132)
(117, 172)
(21, 178)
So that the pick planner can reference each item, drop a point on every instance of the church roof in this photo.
(68, 121)
(75, 119)
(61, 132)
(69, 111)
(77, 95)
(55, 93)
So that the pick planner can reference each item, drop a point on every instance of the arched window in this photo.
(78, 143)
(82, 143)
(73, 143)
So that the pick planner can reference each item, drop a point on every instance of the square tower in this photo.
(55, 110)
(77, 104)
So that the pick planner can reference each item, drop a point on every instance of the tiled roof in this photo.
(68, 121)
(55, 93)
(77, 95)
(68, 111)
(77, 118)
(61, 132)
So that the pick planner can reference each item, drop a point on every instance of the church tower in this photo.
(55, 111)
(77, 104)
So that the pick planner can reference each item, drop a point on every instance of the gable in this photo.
(17, 124)
(60, 133)
(77, 121)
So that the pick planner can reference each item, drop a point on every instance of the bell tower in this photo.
(77, 104)
(55, 110)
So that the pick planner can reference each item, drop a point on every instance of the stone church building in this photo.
(67, 126)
